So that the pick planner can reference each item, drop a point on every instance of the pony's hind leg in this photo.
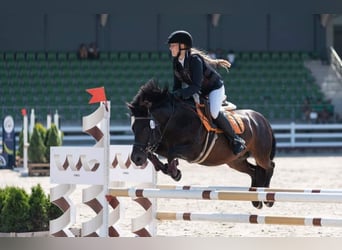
(242, 165)
(263, 176)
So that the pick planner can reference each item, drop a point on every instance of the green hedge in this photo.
(23, 212)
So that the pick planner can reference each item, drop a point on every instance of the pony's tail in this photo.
(274, 144)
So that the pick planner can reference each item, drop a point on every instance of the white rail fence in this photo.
(308, 135)
(290, 135)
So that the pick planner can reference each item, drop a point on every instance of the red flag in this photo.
(23, 112)
(98, 95)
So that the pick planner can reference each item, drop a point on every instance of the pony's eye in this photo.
(152, 124)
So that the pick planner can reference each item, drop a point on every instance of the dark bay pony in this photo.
(167, 126)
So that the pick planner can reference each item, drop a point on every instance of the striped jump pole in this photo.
(251, 189)
(227, 195)
(250, 218)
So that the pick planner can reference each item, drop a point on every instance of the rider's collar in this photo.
(181, 61)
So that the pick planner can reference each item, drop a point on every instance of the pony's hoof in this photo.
(178, 176)
(269, 203)
(257, 204)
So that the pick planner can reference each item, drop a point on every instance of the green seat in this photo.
(134, 56)
(41, 56)
(154, 56)
(104, 55)
(165, 56)
(275, 56)
(295, 56)
(30, 56)
(9, 56)
(285, 56)
(61, 56)
(20, 56)
(265, 56)
(72, 56)
(144, 56)
(305, 56)
(51, 56)
(245, 56)
(114, 55)
(124, 55)
(255, 56)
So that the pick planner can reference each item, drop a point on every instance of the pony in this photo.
(164, 125)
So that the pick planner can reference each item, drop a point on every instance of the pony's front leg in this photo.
(158, 165)
(174, 153)
(172, 169)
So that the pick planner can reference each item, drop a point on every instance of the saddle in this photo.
(227, 108)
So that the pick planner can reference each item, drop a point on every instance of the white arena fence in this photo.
(292, 135)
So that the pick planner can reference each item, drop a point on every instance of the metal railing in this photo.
(336, 62)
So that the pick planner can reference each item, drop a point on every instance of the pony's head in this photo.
(146, 133)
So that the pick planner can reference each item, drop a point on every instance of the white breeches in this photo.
(216, 97)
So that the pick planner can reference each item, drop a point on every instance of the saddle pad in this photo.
(234, 120)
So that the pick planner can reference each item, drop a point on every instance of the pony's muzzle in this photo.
(138, 156)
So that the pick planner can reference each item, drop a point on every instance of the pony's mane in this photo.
(149, 94)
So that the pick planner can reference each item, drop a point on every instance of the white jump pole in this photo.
(227, 195)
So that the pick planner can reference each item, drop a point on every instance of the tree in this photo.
(36, 150)
(14, 216)
(38, 209)
(53, 138)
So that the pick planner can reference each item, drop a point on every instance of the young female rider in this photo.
(194, 73)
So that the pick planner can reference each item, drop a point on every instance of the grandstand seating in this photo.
(274, 83)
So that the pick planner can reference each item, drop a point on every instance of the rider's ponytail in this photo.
(215, 62)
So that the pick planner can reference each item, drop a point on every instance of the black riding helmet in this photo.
(180, 36)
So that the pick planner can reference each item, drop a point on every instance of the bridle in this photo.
(156, 133)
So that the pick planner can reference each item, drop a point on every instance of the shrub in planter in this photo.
(36, 150)
(53, 138)
(2, 199)
(38, 202)
(14, 216)
(20, 212)
(53, 210)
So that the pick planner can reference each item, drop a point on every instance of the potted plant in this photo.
(36, 151)
(39, 148)
(53, 138)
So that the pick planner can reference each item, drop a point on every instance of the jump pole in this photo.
(250, 219)
(250, 189)
(226, 195)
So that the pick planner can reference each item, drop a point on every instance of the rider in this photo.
(194, 73)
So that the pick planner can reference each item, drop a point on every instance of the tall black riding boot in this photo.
(237, 142)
